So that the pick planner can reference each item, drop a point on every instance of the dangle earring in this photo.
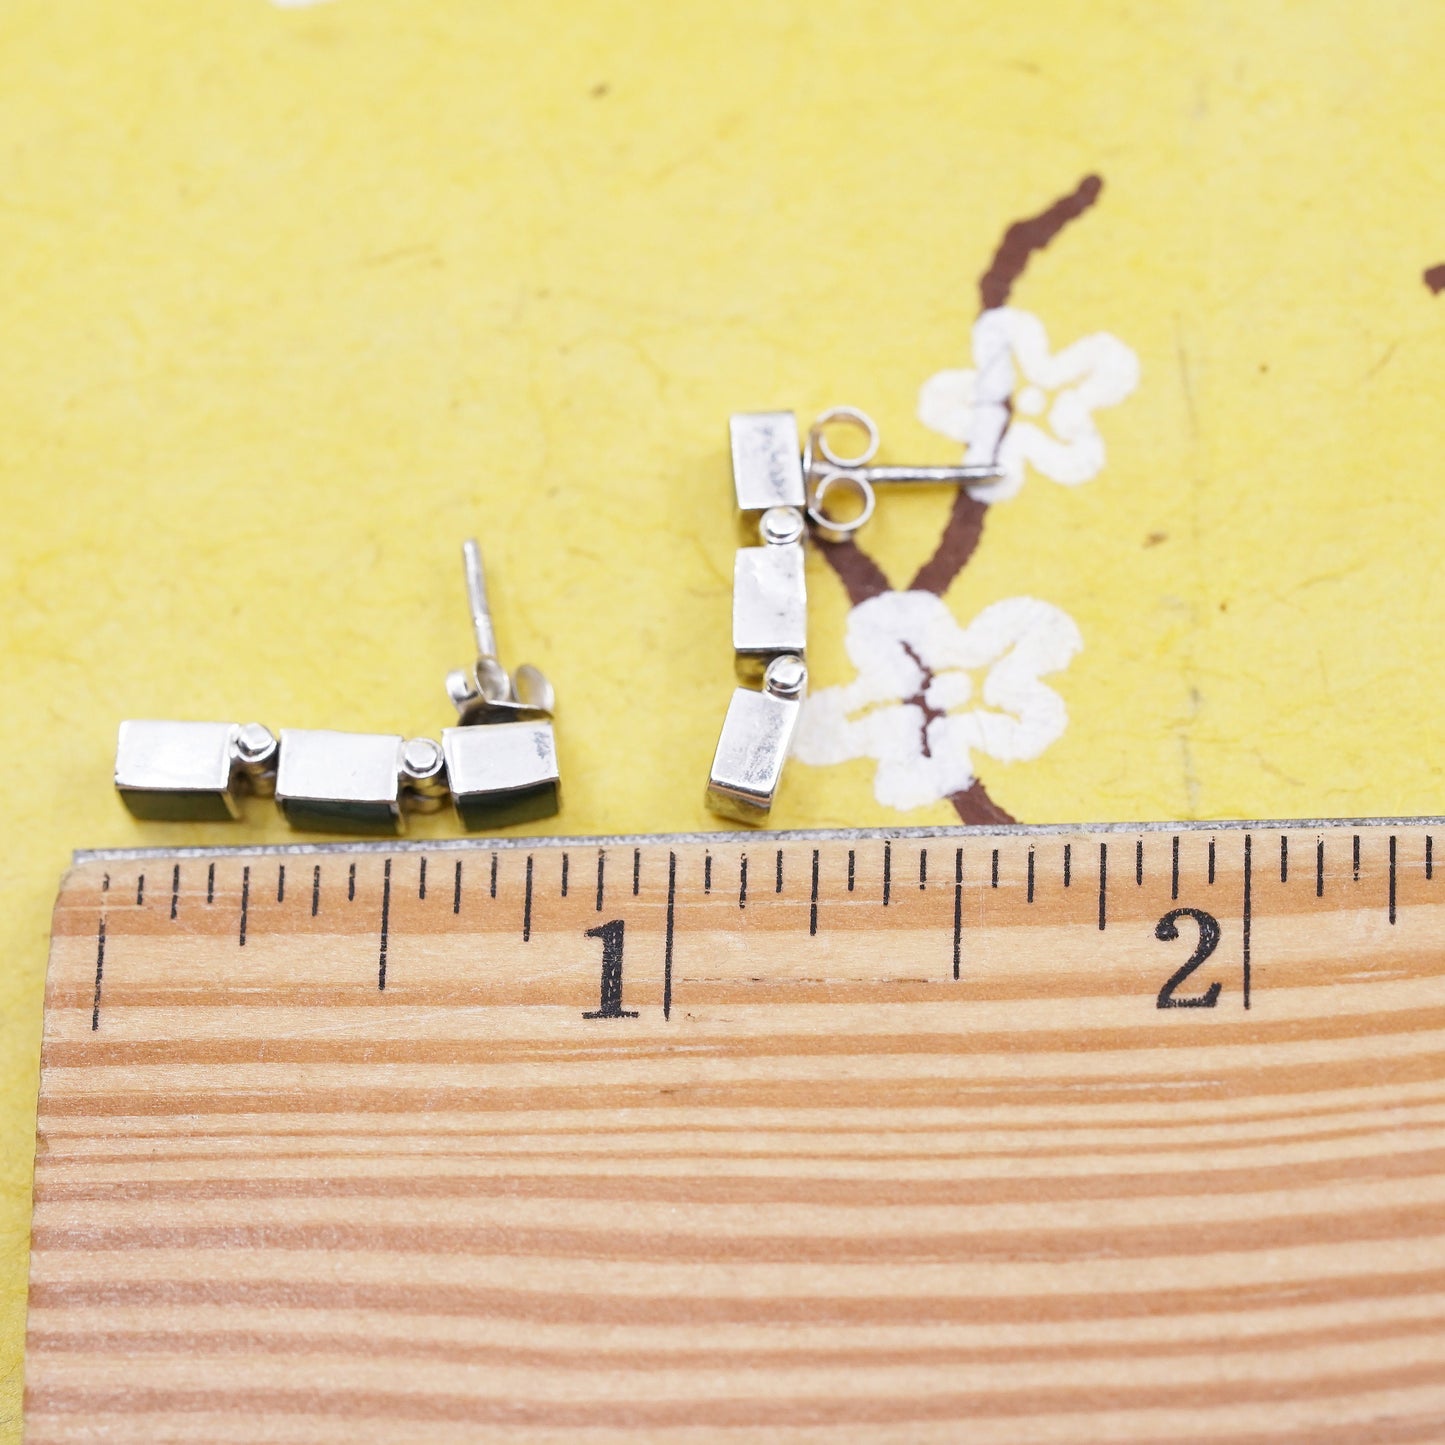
(498, 766)
(781, 488)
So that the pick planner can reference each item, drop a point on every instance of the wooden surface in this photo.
(870, 1153)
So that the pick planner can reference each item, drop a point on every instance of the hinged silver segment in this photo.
(334, 780)
(767, 465)
(770, 604)
(504, 773)
(191, 770)
(756, 736)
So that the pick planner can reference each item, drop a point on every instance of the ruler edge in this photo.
(81, 856)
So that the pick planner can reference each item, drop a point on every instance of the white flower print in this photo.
(916, 708)
(1015, 377)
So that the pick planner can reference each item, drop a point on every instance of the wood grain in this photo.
(375, 1174)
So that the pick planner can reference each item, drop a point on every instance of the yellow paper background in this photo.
(293, 299)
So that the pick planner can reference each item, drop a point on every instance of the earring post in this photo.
(477, 599)
(928, 476)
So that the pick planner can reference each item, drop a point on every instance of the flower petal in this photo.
(946, 402)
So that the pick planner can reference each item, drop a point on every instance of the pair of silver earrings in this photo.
(499, 764)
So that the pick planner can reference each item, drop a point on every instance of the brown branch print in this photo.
(861, 575)
(964, 528)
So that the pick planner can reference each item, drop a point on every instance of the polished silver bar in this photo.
(170, 771)
(340, 781)
(767, 460)
(770, 605)
(757, 733)
(502, 773)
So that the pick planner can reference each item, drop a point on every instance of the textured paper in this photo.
(294, 298)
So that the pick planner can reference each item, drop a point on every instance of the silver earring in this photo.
(781, 488)
(498, 766)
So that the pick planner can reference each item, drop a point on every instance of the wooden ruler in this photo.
(1030, 1135)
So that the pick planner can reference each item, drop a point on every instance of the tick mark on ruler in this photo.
(421, 880)
(1357, 857)
(315, 889)
(1211, 860)
(351, 885)
(1068, 858)
(527, 902)
(1284, 857)
(778, 886)
(281, 883)
(140, 890)
(1429, 857)
(245, 901)
(385, 923)
(887, 872)
(994, 882)
(1320, 869)
(601, 863)
(494, 875)
(457, 889)
(743, 882)
(1392, 877)
(923, 868)
(99, 954)
(707, 873)
(1103, 884)
(667, 953)
(564, 874)
(1031, 875)
(211, 884)
(175, 889)
(1174, 869)
(1248, 878)
(851, 861)
(813, 912)
(957, 910)
(1139, 864)
(636, 871)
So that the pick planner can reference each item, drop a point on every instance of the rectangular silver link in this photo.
(770, 605)
(756, 736)
(767, 460)
(340, 781)
(177, 770)
(502, 773)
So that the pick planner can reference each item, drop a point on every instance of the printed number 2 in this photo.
(1167, 931)
(611, 1005)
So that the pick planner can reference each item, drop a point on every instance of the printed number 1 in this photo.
(610, 1006)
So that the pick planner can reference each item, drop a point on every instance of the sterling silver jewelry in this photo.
(781, 488)
(498, 766)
